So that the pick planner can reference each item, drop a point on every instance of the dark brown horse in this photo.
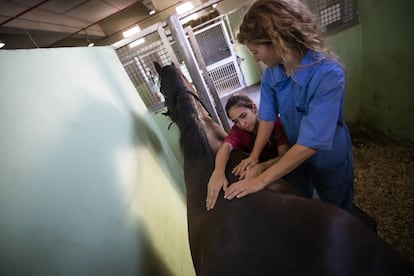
(268, 232)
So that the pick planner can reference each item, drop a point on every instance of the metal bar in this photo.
(184, 47)
(210, 84)
(163, 24)
(135, 23)
(149, 30)
(167, 45)
(199, 8)
(31, 38)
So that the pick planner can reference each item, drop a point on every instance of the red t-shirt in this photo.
(244, 140)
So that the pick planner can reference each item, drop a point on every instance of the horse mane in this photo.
(186, 109)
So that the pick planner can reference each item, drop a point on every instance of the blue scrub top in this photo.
(310, 104)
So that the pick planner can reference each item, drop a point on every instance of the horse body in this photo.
(268, 232)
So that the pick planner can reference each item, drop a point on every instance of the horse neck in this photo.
(200, 136)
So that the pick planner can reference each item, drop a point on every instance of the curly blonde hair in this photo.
(288, 24)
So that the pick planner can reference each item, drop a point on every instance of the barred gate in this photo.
(220, 58)
(155, 43)
(138, 63)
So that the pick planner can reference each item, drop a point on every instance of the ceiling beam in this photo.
(23, 12)
(92, 24)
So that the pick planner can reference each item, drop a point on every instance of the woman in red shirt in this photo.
(243, 113)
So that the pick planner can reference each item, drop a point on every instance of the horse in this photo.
(271, 232)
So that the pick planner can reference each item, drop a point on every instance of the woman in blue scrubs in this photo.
(305, 84)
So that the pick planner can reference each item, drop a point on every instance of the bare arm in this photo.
(218, 178)
(261, 167)
(295, 156)
(282, 149)
(263, 134)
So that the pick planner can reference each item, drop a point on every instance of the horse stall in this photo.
(96, 180)
(183, 50)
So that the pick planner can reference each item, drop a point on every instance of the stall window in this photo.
(334, 15)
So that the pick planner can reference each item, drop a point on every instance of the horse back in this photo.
(270, 233)
(279, 233)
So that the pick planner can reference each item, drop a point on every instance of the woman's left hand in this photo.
(244, 187)
(244, 165)
(254, 171)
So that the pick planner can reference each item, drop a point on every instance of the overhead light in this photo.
(214, 5)
(2, 44)
(185, 7)
(131, 31)
(90, 43)
(150, 5)
(136, 42)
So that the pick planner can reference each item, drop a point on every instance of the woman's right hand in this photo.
(245, 164)
(253, 171)
(216, 182)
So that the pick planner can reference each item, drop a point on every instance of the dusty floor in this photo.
(384, 186)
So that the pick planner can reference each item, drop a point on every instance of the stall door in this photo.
(220, 58)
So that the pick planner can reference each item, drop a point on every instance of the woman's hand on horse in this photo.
(216, 182)
(244, 187)
(244, 165)
(253, 171)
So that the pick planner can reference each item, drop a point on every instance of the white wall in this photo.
(88, 185)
